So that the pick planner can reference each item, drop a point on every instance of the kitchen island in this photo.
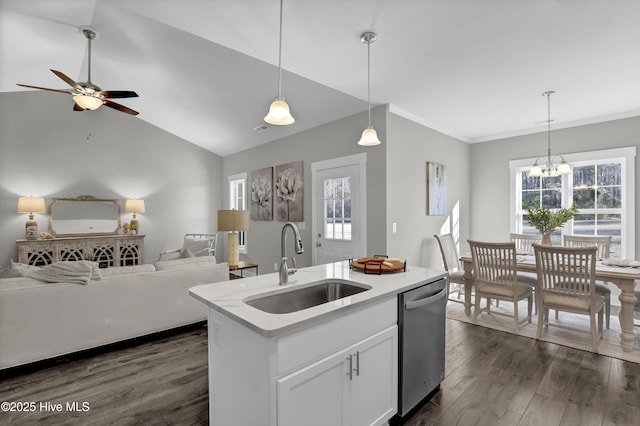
(334, 363)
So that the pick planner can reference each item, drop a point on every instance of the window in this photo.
(337, 208)
(238, 201)
(602, 187)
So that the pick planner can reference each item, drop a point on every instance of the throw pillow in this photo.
(186, 253)
(22, 269)
(197, 247)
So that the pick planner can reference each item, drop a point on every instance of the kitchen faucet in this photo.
(284, 270)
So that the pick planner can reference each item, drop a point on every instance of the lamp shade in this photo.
(88, 102)
(134, 206)
(233, 220)
(31, 205)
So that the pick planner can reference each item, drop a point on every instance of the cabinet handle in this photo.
(358, 363)
(350, 372)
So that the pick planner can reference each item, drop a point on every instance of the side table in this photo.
(241, 266)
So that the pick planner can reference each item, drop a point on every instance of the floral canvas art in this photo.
(262, 194)
(289, 192)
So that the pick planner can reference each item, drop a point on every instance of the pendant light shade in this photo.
(279, 113)
(545, 167)
(369, 135)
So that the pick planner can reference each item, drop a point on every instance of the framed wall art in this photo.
(436, 189)
(262, 194)
(289, 192)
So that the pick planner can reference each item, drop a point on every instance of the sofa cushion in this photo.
(184, 263)
(127, 270)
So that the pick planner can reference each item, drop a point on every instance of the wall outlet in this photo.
(394, 227)
(275, 266)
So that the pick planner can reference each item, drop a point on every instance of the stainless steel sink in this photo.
(287, 301)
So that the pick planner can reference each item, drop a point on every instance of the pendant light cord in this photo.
(369, 79)
(280, 56)
(548, 94)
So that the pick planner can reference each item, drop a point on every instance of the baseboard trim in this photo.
(87, 353)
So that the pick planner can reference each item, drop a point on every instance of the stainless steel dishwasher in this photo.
(421, 321)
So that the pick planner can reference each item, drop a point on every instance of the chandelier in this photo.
(546, 167)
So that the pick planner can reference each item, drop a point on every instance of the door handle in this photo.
(350, 372)
(318, 244)
(358, 363)
(426, 301)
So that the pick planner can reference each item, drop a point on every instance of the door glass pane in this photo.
(337, 211)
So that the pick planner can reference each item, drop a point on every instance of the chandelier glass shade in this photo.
(549, 166)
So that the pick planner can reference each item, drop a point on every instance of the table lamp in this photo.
(134, 206)
(31, 205)
(233, 221)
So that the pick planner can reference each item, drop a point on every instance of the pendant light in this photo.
(279, 113)
(369, 135)
(550, 169)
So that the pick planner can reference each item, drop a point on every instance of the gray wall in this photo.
(410, 147)
(48, 150)
(332, 140)
(490, 168)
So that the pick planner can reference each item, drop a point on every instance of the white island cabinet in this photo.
(332, 364)
(355, 386)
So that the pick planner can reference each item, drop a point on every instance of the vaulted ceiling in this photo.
(206, 70)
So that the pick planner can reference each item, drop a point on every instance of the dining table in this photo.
(621, 276)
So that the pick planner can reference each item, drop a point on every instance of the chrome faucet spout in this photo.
(284, 269)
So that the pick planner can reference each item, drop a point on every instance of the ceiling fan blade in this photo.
(45, 88)
(120, 107)
(67, 80)
(77, 107)
(114, 94)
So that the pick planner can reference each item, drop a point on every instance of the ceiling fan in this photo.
(86, 95)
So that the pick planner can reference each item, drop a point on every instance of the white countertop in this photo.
(227, 297)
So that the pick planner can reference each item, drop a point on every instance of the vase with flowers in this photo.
(546, 220)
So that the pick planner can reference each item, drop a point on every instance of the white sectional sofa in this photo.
(41, 320)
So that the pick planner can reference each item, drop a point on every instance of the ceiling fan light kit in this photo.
(549, 169)
(279, 112)
(86, 95)
(369, 135)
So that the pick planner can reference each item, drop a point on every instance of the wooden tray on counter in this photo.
(378, 265)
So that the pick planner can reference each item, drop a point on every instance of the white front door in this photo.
(339, 217)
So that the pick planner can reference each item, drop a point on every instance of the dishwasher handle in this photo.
(415, 304)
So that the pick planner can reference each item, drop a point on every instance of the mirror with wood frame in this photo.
(83, 215)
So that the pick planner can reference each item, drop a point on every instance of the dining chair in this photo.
(566, 282)
(603, 243)
(495, 277)
(524, 245)
(451, 263)
(524, 242)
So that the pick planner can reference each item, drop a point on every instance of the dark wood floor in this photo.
(493, 378)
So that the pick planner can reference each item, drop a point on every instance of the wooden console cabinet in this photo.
(107, 250)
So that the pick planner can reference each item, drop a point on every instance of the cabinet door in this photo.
(374, 388)
(317, 394)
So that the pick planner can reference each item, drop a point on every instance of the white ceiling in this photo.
(206, 70)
